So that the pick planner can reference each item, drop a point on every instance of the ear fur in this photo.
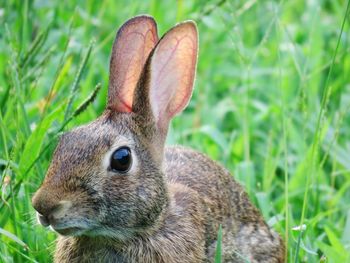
(134, 42)
(169, 74)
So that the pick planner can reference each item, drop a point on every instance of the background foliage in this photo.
(271, 103)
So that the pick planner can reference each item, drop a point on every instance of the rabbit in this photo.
(115, 193)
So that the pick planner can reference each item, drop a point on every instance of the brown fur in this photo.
(168, 208)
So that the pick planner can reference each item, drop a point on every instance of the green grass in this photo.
(271, 103)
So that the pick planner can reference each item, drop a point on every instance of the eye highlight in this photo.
(121, 160)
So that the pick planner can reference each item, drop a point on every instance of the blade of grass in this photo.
(35, 140)
(14, 238)
(60, 67)
(218, 246)
(35, 47)
(284, 137)
(77, 80)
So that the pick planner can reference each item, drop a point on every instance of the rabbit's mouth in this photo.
(62, 229)
(69, 231)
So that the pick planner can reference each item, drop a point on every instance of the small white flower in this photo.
(299, 228)
(32, 126)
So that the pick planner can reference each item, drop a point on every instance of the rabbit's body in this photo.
(115, 193)
(223, 202)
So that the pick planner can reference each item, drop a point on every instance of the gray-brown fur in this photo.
(167, 208)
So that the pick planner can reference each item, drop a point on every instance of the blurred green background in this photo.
(271, 103)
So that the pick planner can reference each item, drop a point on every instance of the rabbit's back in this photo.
(224, 201)
(213, 183)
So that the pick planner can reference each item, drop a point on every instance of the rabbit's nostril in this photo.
(43, 220)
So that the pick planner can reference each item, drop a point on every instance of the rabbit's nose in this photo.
(45, 203)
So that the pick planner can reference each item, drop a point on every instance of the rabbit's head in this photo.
(106, 178)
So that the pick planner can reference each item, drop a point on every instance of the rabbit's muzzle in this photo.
(51, 211)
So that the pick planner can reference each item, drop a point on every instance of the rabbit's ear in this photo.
(134, 42)
(170, 72)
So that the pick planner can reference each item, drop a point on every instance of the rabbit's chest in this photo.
(104, 255)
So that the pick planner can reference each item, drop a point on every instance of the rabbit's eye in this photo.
(121, 160)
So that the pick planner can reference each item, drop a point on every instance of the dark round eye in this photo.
(121, 160)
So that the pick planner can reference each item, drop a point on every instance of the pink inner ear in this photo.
(173, 71)
(134, 42)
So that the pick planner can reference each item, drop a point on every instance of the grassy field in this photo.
(271, 103)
